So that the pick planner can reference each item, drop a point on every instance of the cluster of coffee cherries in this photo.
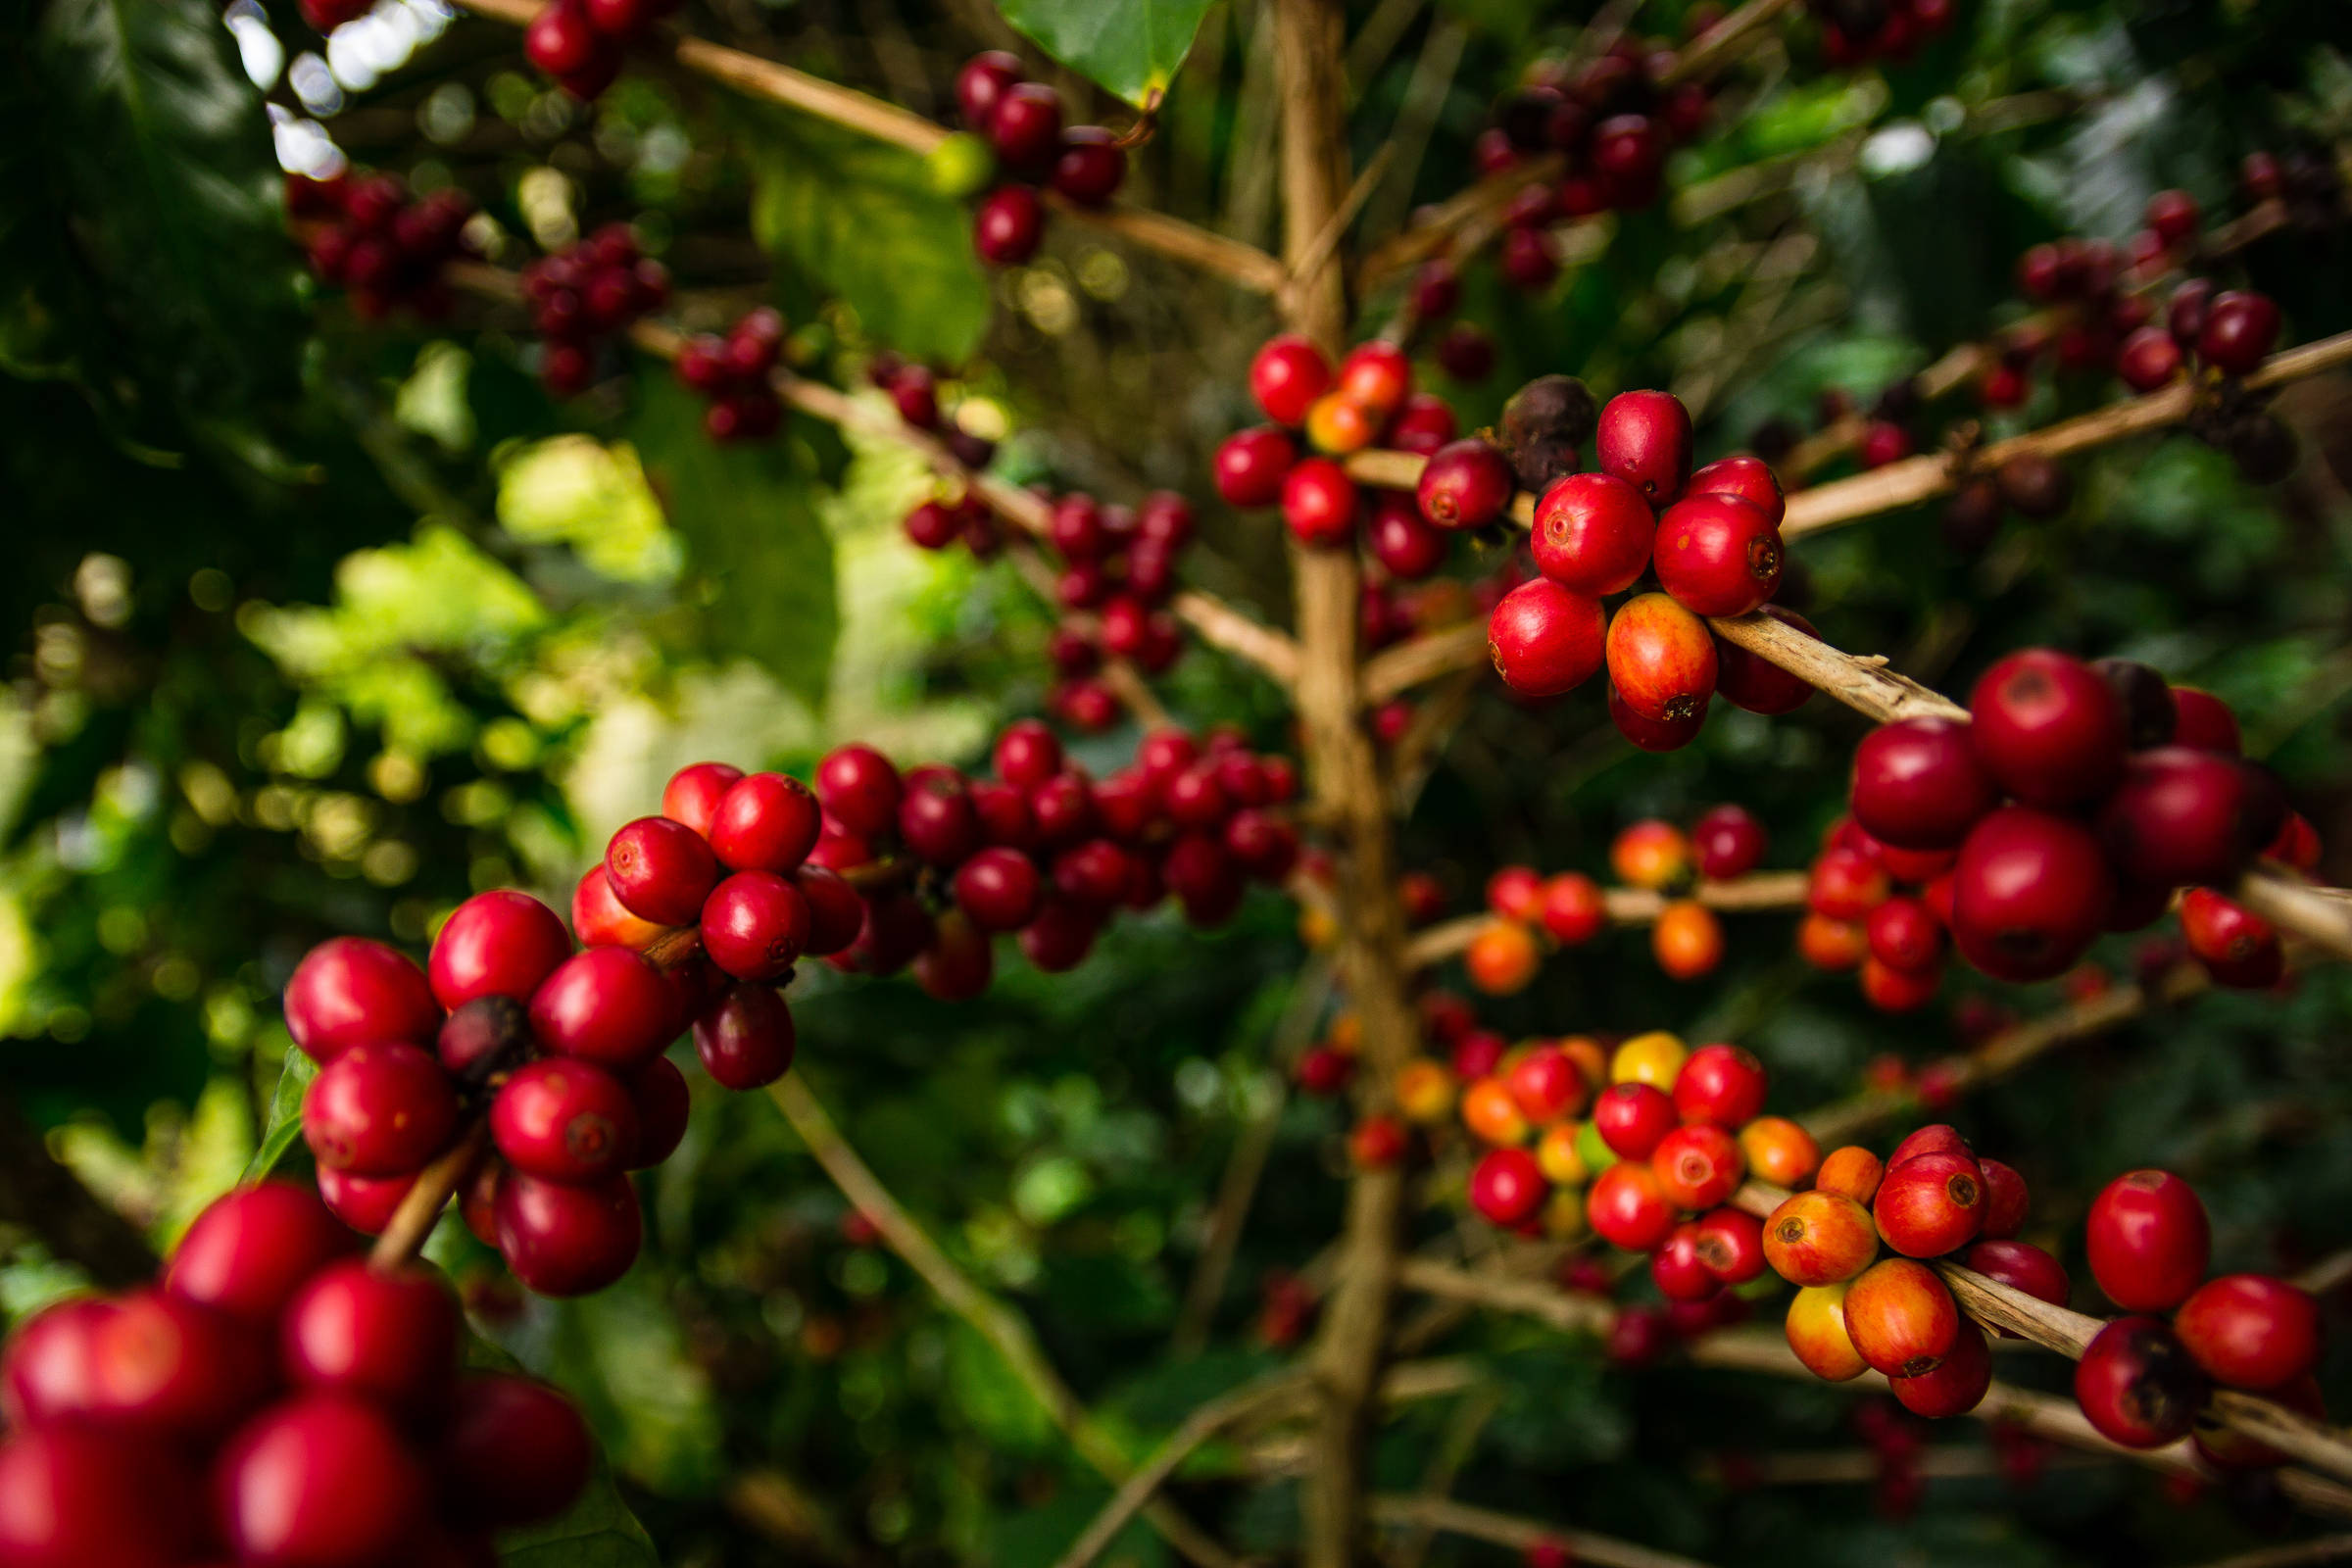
(946, 862)
(580, 42)
(913, 390)
(562, 1051)
(1711, 537)
(1367, 400)
(1667, 1135)
(1856, 32)
(1933, 1198)
(1022, 123)
(2143, 1382)
(274, 1401)
(1570, 909)
(1613, 120)
(2075, 801)
(2033, 484)
(384, 249)
(735, 373)
(586, 294)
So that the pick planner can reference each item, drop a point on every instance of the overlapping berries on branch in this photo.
(580, 42)
(2076, 800)
(1711, 538)
(366, 235)
(1022, 123)
(273, 1398)
(1856, 32)
(1570, 909)
(585, 295)
(734, 372)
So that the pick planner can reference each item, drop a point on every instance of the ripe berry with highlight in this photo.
(2137, 1383)
(1319, 502)
(567, 1121)
(2250, 1331)
(2047, 728)
(380, 1110)
(1507, 1187)
(2029, 893)
(347, 990)
(661, 870)
(1902, 1319)
(1628, 1208)
(747, 1041)
(1544, 639)
(1717, 554)
(1729, 842)
(1779, 1151)
(1287, 375)
(608, 1006)
(1816, 1332)
(1644, 439)
(2148, 1241)
(1720, 1084)
(496, 944)
(1465, 484)
(2021, 1267)
(1957, 1384)
(1819, 1238)
(1697, 1166)
(1633, 1119)
(1931, 1205)
(764, 822)
(1918, 783)
(1661, 658)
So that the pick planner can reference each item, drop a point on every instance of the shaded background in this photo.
(317, 625)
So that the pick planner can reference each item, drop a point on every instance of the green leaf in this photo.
(285, 1113)
(161, 161)
(754, 539)
(864, 220)
(1130, 47)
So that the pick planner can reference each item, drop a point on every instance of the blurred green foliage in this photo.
(320, 625)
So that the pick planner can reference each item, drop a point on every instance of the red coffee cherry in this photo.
(1902, 1319)
(1757, 684)
(496, 944)
(598, 918)
(836, 912)
(2137, 1383)
(2184, 816)
(1892, 990)
(347, 990)
(1287, 375)
(1544, 639)
(1845, 885)
(1731, 1243)
(1677, 1270)
(1819, 1238)
(764, 822)
(859, 789)
(2237, 946)
(1007, 226)
(1661, 658)
(2148, 358)
(561, 40)
(1574, 909)
(1729, 840)
(1697, 1165)
(2005, 1199)
(936, 820)
(1402, 540)
(1931, 1205)
(2047, 728)
(999, 889)
(1746, 477)
(1091, 166)
(1644, 439)
(2021, 1267)
(1720, 1085)
(693, 793)
(2174, 216)
(2203, 722)
(660, 1093)
(661, 870)
(2148, 1241)
(49, 1369)
(2241, 328)
(1653, 734)
(1251, 465)
(249, 1251)
(982, 83)
(514, 1452)
(754, 924)
(2250, 1331)
(747, 1042)
(1025, 124)
(1465, 484)
(1634, 1118)
(1375, 376)
(1937, 1138)
(2029, 893)
(320, 1478)
(1319, 502)
(71, 1497)
(566, 1240)
(565, 1121)
(1958, 1382)
(390, 1335)
(1027, 754)
(1530, 260)
(1905, 935)
(608, 1006)
(381, 1110)
(1593, 533)
(167, 1368)
(1507, 1187)
(1717, 554)
(1917, 784)
(1626, 1206)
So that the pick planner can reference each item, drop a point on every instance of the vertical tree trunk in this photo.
(1310, 44)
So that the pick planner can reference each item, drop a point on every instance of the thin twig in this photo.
(413, 1221)
(1519, 1534)
(1716, 45)
(758, 78)
(992, 1319)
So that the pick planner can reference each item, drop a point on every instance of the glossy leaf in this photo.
(284, 1127)
(1130, 47)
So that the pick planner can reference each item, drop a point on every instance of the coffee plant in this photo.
(1116, 781)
